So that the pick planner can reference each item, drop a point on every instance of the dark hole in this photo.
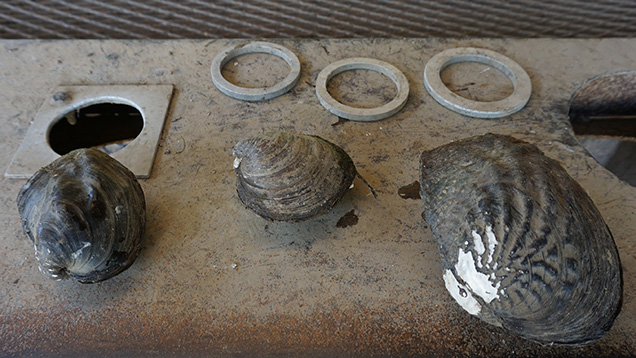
(603, 116)
(106, 126)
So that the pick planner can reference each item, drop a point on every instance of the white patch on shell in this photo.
(503, 293)
(118, 209)
(458, 291)
(237, 162)
(351, 186)
(478, 282)
(492, 242)
(479, 245)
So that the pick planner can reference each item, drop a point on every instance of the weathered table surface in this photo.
(213, 278)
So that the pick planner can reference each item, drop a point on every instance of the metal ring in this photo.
(497, 109)
(362, 114)
(255, 94)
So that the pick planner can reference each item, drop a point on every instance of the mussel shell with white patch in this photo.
(522, 245)
(291, 177)
(85, 214)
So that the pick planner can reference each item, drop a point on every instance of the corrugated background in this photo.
(160, 19)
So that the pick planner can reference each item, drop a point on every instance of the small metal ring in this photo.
(362, 114)
(255, 94)
(497, 109)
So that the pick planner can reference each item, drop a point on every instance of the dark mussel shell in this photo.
(522, 245)
(85, 214)
(291, 177)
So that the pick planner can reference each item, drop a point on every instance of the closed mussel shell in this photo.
(291, 177)
(522, 244)
(85, 214)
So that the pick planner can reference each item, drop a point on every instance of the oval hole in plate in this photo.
(106, 126)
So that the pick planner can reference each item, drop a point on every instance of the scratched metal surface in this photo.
(214, 279)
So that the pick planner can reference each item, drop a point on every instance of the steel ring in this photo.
(255, 94)
(362, 114)
(497, 109)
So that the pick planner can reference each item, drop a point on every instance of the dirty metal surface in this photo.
(213, 278)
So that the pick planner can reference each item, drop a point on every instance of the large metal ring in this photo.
(497, 109)
(362, 114)
(255, 94)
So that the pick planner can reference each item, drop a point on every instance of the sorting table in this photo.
(364, 279)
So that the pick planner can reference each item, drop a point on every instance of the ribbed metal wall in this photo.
(160, 19)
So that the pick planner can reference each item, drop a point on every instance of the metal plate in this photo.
(138, 156)
(214, 279)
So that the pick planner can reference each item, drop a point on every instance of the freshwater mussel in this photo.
(291, 177)
(522, 245)
(85, 214)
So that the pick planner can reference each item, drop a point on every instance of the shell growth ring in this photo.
(497, 109)
(255, 94)
(362, 114)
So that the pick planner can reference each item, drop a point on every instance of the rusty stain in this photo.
(351, 331)
(348, 219)
(410, 191)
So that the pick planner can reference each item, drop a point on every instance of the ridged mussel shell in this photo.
(85, 214)
(522, 244)
(291, 177)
